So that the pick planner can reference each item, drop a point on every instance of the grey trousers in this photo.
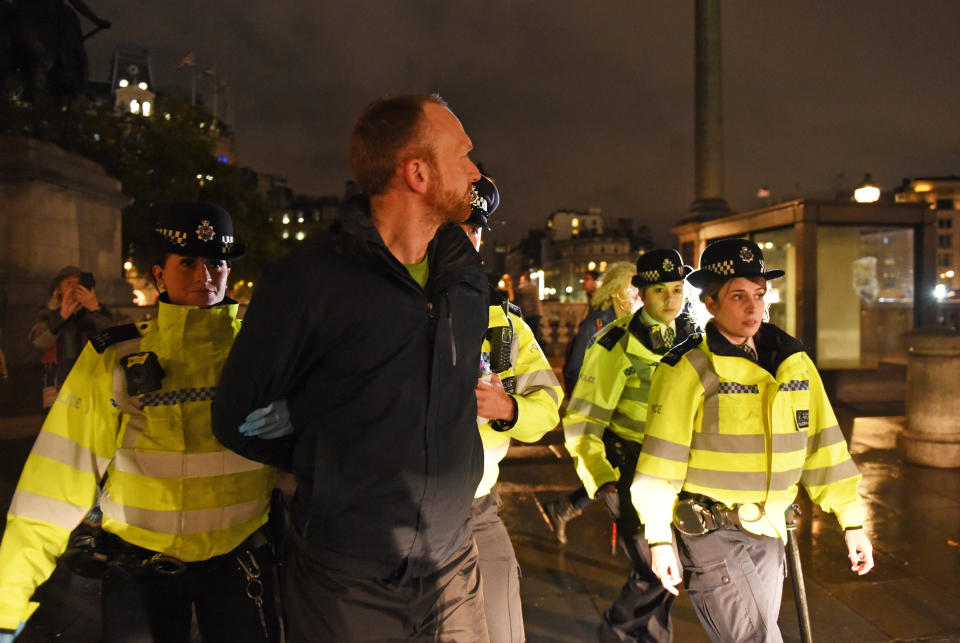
(322, 604)
(499, 571)
(735, 581)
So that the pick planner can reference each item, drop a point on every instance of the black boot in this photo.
(560, 512)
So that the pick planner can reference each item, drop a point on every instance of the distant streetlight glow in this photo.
(123, 82)
(592, 265)
(868, 192)
(142, 86)
(940, 292)
(300, 235)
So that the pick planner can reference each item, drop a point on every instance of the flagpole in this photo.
(193, 86)
(216, 96)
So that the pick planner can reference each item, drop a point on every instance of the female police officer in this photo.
(181, 514)
(604, 428)
(738, 416)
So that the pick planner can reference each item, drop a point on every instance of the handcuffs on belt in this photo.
(696, 515)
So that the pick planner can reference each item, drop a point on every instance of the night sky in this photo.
(573, 104)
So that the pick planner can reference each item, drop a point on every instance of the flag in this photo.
(187, 61)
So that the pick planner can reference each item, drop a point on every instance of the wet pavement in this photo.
(914, 523)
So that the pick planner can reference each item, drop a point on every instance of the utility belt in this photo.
(91, 551)
(696, 515)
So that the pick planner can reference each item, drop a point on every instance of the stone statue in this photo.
(41, 47)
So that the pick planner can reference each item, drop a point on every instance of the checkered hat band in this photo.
(724, 267)
(652, 276)
(735, 388)
(170, 398)
(796, 385)
(176, 237)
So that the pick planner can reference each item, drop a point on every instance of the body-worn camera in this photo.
(142, 371)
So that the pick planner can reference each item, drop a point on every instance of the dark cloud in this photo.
(573, 104)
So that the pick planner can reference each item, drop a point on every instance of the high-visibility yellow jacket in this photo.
(170, 487)
(611, 393)
(723, 426)
(537, 393)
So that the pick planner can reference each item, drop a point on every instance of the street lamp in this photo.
(867, 192)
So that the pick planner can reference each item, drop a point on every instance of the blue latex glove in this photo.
(271, 421)
(6, 637)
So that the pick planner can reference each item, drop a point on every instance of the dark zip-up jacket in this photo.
(379, 374)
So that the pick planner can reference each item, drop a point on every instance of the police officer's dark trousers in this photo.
(735, 581)
(325, 604)
(141, 605)
(642, 610)
(499, 572)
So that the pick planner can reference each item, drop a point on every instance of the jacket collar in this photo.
(176, 320)
(450, 254)
(773, 346)
(653, 341)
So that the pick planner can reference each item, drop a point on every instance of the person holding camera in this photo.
(738, 418)
(64, 325)
(183, 517)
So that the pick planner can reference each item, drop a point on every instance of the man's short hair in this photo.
(388, 132)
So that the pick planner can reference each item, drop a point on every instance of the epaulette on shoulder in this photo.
(674, 354)
(515, 309)
(115, 335)
(611, 337)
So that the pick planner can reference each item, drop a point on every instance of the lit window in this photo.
(922, 186)
(135, 106)
(575, 222)
(145, 108)
(286, 219)
(592, 265)
(142, 86)
(300, 218)
(603, 266)
(123, 82)
(285, 235)
(300, 235)
(166, 116)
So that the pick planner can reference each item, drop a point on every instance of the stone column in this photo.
(932, 433)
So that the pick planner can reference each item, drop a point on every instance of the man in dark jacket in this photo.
(378, 367)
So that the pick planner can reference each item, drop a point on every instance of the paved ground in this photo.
(913, 595)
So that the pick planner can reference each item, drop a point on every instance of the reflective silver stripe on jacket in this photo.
(710, 381)
(833, 473)
(61, 513)
(187, 521)
(590, 409)
(179, 465)
(66, 451)
(825, 438)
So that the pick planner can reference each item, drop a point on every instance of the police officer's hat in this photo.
(198, 230)
(484, 199)
(729, 258)
(659, 266)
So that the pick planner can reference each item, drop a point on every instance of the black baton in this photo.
(796, 575)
